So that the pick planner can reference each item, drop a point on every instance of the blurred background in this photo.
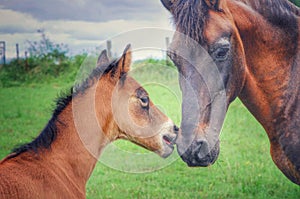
(43, 47)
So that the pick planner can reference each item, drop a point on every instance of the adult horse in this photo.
(109, 105)
(254, 45)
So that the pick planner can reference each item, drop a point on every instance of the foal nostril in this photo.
(176, 129)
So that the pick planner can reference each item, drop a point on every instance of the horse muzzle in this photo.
(198, 153)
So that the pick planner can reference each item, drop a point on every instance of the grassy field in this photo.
(243, 170)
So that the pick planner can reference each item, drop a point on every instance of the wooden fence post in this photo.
(167, 45)
(17, 51)
(2, 52)
(109, 46)
(26, 61)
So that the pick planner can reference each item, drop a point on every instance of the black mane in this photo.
(279, 12)
(190, 16)
(49, 133)
(278, 7)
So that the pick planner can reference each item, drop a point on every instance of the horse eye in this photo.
(221, 54)
(144, 101)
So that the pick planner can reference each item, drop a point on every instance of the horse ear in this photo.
(213, 4)
(167, 4)
(125, 61)
(103, 59)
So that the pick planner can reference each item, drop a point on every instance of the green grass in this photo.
(243, 170)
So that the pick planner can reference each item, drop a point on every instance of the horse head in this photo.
(209, 55)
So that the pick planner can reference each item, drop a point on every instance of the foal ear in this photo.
(167, 4)
(125, 61)
(103, 59)
(213, 4)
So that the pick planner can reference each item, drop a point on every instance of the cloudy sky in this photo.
(84, 24)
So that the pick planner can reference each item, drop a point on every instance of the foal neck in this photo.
(80, 139)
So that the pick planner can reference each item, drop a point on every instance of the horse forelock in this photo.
(189, 16)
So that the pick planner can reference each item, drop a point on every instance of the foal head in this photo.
(209, 55)
(126, 110)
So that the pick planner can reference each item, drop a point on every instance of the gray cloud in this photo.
(7, 29)
(86, 10)
(82, 24)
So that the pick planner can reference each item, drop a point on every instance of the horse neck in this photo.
(80, 140)
(270, 91)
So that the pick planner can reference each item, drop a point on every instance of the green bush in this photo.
(47, 62)
(49, 68)
(37, 70)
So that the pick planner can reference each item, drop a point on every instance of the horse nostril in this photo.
(199, 142)
(201, 149)
(176, 129)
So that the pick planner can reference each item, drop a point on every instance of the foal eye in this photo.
(144, 101)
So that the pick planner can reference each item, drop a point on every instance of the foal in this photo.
(109, 105)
